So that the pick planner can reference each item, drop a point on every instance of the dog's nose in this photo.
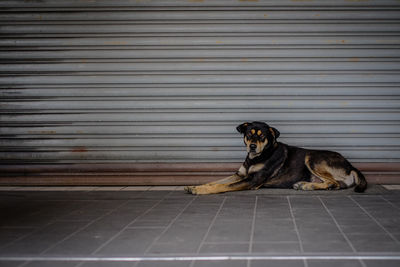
(253, 147)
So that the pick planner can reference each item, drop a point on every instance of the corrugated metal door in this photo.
(115, 82)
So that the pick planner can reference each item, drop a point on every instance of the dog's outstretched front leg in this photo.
(231, 183)
(218, 186)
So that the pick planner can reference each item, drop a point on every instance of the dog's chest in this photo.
(246, 170)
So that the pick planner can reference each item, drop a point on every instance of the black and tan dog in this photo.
(273, 164)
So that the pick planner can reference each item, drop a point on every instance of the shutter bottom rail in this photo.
(153, 173)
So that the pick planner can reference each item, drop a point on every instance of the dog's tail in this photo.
(361, 183)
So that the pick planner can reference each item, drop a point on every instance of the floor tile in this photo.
(41, 240)
(276, 247)
(232, 263)
(334, 263)
(277, 263)
(324, 237)
(327, 247)
(382, 263)
(162, 223)
(225, 248)
(107, 264)
(269, 232)
(230, 231)
(178, 247)
(185, 236)
(10, 263)
(162, 264)
(8, 235)
(51, 264)
(130, 242)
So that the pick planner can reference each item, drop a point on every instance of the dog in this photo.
(276, 165)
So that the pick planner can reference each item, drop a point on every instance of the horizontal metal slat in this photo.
(295, 28)
(155, 143)
(204, 115)
(177, 3)
(199, 104)
(385, 78)
(202, 15)
(354, 54)
(29, 92)
(204, 41)
(199, 66)
(306, 127)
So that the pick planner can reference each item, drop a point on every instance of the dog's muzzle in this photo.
(253, 147)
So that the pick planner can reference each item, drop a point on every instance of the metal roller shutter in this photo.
(105, 86)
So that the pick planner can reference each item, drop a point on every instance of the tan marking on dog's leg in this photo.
(218, 188)
(242, 171)
(313, 186)
(337, 174)
(256, 168)
(321, 171)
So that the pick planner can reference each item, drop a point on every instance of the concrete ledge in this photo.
(148, 174)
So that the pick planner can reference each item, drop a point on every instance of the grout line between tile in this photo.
(341, 230)
(36, 229)
(127, 226)
(145, 227)
(209, 229)
(253, 225)
(295, 225)
(84, 227)
(375, 220)
(169, 226)
(80, 229)
(305, 263)
(211, 225)
(390, 203)
(248, 243)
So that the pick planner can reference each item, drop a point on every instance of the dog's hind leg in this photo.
(321, 172)
(325, 185)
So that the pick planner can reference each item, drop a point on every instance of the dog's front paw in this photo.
(195, 190)
(303, 186)
(189, 189)
(199, 190)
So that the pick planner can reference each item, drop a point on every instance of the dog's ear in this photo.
(242, 127)
(275, 133)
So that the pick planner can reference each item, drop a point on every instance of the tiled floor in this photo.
(154, 227)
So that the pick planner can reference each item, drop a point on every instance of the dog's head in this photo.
(257, 136)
